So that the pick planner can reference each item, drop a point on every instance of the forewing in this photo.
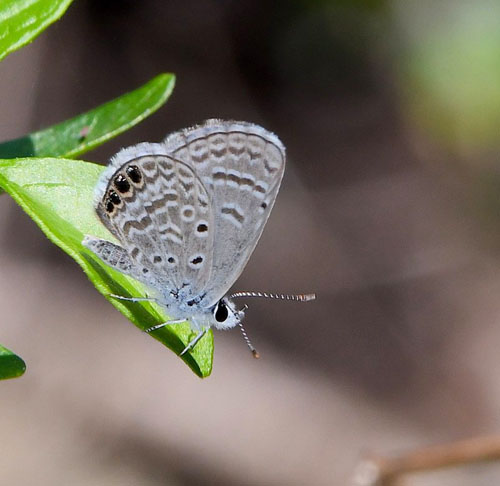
(241, 165)
(160, 212)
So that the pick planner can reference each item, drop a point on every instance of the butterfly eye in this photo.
(221, 312)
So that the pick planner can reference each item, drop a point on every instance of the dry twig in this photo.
(384, 471)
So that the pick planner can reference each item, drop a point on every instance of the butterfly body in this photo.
(188, 213)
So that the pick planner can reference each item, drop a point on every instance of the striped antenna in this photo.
(239, 316)
(245, 293)
(297, 297)
(255, 353)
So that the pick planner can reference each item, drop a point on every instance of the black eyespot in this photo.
(263, 205)
(201, 228)
(134, 173)
(121, 183)
(221, 312)
(109, 206)
(114, 198)
(171, 260)
(197, 260)
(145, 270)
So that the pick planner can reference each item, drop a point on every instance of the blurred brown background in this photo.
(389, 210)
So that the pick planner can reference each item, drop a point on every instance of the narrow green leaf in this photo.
(57, 194)
(22, 20)
(86, 131)
(11, 365)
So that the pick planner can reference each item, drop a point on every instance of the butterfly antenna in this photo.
(255, 353)
(240, 314)
(297, 297)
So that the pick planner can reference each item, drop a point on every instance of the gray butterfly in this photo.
(188, 213)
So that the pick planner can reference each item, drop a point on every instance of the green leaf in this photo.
(91, 129)
(58, 195)
(22, 20)
(11, 365)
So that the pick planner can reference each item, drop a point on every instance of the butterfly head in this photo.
(225, 315)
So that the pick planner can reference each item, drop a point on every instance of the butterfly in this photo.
(188, 213)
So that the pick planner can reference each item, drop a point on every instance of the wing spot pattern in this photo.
(260, 189)
(233, 178)
(167, 173)
(137, 225)
(200, 158)
(219, 175)
(202, 229)
(172, 232)
(247, 182)
(110, 207)
(134, 174)
(187, 213)
(196, 261)
(236, 144)
(114, 198)
(188, 186)
(272, 158)
(199, 152)
(217, 140)
(233, 214)
(122, 185)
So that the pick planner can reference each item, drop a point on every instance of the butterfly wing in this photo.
(241, 165)
(160, 211)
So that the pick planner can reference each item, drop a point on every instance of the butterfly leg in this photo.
(134, 299)
(192, 344)
(163, 324)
